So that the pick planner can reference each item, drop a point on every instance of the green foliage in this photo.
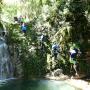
(33, 61)
(64, 21)
(72, 31)
(0, 7)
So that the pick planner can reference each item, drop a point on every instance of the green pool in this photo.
(35, 85)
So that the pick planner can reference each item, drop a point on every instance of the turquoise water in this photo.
(35, 85)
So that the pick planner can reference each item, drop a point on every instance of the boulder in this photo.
(58, 72)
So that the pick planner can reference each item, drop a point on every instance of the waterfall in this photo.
(6, 69)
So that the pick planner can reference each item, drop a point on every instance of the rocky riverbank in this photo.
(74, 81)
(81, 84)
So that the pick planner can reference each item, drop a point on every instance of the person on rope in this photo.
(55, 50)
(24, 28)
(73, 55)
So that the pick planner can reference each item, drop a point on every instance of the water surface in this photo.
(36, 85)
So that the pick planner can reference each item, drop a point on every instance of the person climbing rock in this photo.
(73, 61)
(55, 50)
(24, 28)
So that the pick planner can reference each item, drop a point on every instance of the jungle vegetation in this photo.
(65, 21)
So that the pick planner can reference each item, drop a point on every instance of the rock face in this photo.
(57, 72)
(17, 65)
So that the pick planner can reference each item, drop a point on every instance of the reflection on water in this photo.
(36, 85)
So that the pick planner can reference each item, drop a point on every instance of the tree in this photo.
(73, 31)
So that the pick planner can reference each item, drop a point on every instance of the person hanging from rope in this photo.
(55, 50)
(23, 28)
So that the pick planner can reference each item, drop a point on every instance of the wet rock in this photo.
(58, 72)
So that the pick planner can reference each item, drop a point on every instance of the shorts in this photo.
(73, 61)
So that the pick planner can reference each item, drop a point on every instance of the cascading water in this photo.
(6, 69)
